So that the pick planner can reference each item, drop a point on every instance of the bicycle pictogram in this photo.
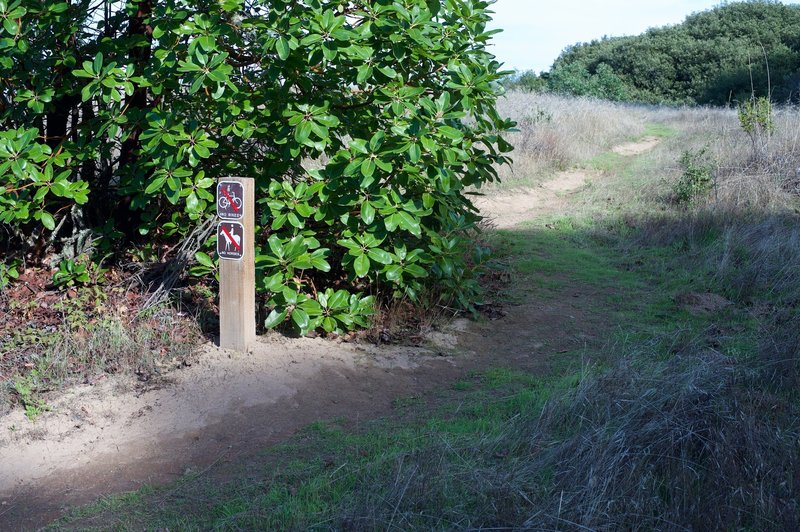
(229, 200)
(224, 202)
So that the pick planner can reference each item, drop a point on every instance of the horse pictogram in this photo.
(230, 240)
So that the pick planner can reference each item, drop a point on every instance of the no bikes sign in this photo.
(230, 235)
(229, 200)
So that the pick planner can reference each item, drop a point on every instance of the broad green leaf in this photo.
(379, 255)
(10, 26)
(301, 319)
(48, 221)
(289, 295)
(393, 273)
(339, 299)
(294, 220)
(409, 223)
(361, 265)
(367, 213)
(275, 246)
(282, 47)
(302, 132)
(451, 133)
(368, 168)
(275, 318)
(329, 324)
(156, 184)
(192, 202)
(414, 153)
(204, 259)
(392, 222)
(416, 270)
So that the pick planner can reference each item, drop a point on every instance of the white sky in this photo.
(536, 31)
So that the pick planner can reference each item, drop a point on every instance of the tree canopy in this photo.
(363, 121)
(713, 57)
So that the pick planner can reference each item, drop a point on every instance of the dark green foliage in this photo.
(602, 83)
(697, 179)
(527, 81)
(117, 119)
(711, 58)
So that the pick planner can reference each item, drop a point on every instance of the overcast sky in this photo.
(536, 31)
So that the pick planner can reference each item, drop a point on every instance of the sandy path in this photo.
(107, 437)
(111, 437)
(508, 209)
(637, 147)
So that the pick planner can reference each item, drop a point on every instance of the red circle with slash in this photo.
(230, 200)
(230, 240)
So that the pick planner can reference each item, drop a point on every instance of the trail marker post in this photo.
(237, 272)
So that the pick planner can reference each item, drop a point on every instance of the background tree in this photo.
(708, 59)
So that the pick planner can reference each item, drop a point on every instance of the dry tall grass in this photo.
(744, 180)
(679, 445)
(556, 132)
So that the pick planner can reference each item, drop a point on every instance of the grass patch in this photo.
(609, 162)
(79, 335)
(665, 433)
(552, 254)
(660, 130)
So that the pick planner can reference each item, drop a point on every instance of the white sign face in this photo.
(230, 240)
(230, 204)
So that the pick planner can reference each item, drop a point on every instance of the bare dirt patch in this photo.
(109, 437)
(636, 148)
(511, 208)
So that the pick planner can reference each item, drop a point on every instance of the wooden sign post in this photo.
(237, 272)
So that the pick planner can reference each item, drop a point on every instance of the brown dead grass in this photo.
(556, 133)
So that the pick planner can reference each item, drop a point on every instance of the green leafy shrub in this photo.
(71, 272)
(362, 123)
(78, 271)
(526, 81)
(602, 83)
(757, 120)
(704, 60)
(9, 270)
(697, 179)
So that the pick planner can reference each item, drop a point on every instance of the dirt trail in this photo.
(637, 147)
(508, 209)
(112, 437)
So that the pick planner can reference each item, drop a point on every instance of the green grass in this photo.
(659, 130)
(609, 162)
(313, 480)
